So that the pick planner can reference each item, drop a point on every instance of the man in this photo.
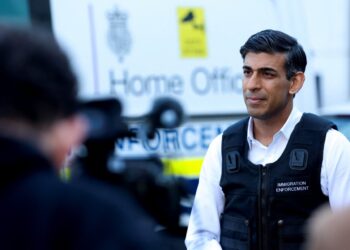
(263, 177)
(39, 124)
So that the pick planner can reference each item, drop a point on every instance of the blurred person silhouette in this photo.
(263, 176)
(329, 230)
(39, 124)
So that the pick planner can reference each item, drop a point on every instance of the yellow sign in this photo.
(192, 36)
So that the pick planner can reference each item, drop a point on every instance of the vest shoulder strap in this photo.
(233, 142)
(234, 138)
(235, 135)
(314, 122)
(310, 126)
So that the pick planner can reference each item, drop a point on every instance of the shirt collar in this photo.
(286, 130)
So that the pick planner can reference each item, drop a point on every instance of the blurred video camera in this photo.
(159, 194)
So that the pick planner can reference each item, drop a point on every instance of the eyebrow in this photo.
(260, 69)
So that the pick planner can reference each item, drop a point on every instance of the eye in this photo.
(269, 74)
(247, 72)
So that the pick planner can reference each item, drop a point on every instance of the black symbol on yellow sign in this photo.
(190, 19)
(192, 35)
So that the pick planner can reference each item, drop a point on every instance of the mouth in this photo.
(254, 100)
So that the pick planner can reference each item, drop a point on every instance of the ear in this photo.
(297, 82)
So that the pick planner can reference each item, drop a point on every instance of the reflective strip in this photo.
(186, 167)
(183, 167)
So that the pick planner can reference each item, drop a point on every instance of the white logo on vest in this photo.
(292, 186)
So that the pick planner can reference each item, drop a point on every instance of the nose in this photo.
(252, 82)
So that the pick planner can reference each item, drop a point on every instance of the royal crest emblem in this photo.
(119, 38)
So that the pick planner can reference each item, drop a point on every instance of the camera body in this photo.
(143, 176)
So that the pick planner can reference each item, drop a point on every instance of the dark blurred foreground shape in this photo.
(39, 124)
(143, 175)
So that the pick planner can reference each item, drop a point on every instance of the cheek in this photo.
(68, 137)
(62, 154)
(279, 97)
(244, 83)
(64, 142)
(278, 89)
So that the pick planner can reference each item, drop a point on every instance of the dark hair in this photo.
(37, 83)
(273, 41)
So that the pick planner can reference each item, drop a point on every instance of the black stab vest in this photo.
(266, 207)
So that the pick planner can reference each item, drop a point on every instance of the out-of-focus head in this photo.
(329, 230)
(37, 82)
(273, 41)
(38, 97)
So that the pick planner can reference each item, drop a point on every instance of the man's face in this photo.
(265, 86)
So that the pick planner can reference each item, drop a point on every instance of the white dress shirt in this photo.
(204, 225)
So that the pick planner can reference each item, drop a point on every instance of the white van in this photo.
(340, 115)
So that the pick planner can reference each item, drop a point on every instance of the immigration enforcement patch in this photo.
(290, 185)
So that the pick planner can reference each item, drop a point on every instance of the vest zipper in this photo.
(262, 211)
(249, 234)
(280, 226)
